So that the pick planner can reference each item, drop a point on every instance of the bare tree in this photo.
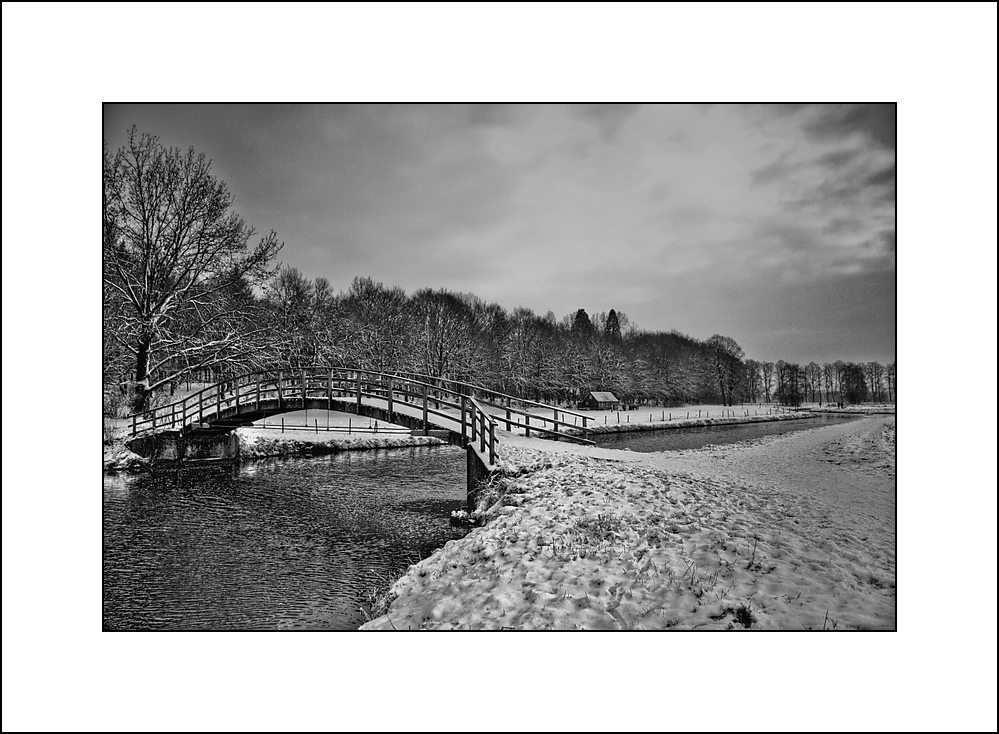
(767, 373)
(178, 268)
(725, 357)
(377, 328)
(813, 379)
(875, 372)
(829, 381)
(753, 380)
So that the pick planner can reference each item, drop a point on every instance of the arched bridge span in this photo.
(470, 414)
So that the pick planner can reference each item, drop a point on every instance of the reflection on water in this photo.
(678, 439)
(282, 544)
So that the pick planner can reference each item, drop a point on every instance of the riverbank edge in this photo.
(118, 459)
(693, 423)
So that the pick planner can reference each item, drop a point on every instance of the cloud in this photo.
(876, 121)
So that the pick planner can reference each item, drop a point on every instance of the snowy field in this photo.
(787, 532)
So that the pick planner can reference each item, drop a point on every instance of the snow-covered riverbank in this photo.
(261, 443)
(788, 532)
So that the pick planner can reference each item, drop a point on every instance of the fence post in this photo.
(280, 391)
(463, 432)
(390, 399)
(492, 443)
(527, 425)
(329, 396)
(555, 425)
(482, 432)
(358, 393)
(508, 415)
(471, 424)
(425, 424)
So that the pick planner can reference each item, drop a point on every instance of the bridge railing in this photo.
(514, 416)
(484, 425)
(246, 393)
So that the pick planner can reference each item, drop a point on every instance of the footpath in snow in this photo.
(795, 531)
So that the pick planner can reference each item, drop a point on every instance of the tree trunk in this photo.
(140, 399)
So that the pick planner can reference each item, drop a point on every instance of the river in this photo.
(273, 545)
(696, 437)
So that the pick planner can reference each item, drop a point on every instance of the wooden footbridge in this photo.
(468, 415)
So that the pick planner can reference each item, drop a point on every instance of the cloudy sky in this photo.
(774, 225)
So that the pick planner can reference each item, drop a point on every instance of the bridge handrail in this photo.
(495, 393)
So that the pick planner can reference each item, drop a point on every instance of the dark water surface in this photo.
(678, 439)
(281, 544)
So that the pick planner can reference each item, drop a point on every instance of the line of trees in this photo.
(187, 296)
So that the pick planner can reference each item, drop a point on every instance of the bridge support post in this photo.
(478, 474)
(280, 392)
(358, 393)
(425, 424)
(464, 433)
(389, 396)
(492, 444)
(329, 396)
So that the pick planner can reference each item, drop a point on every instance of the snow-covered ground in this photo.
(258, 443)
(795, 531)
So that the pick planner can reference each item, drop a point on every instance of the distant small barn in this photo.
(600, 401)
